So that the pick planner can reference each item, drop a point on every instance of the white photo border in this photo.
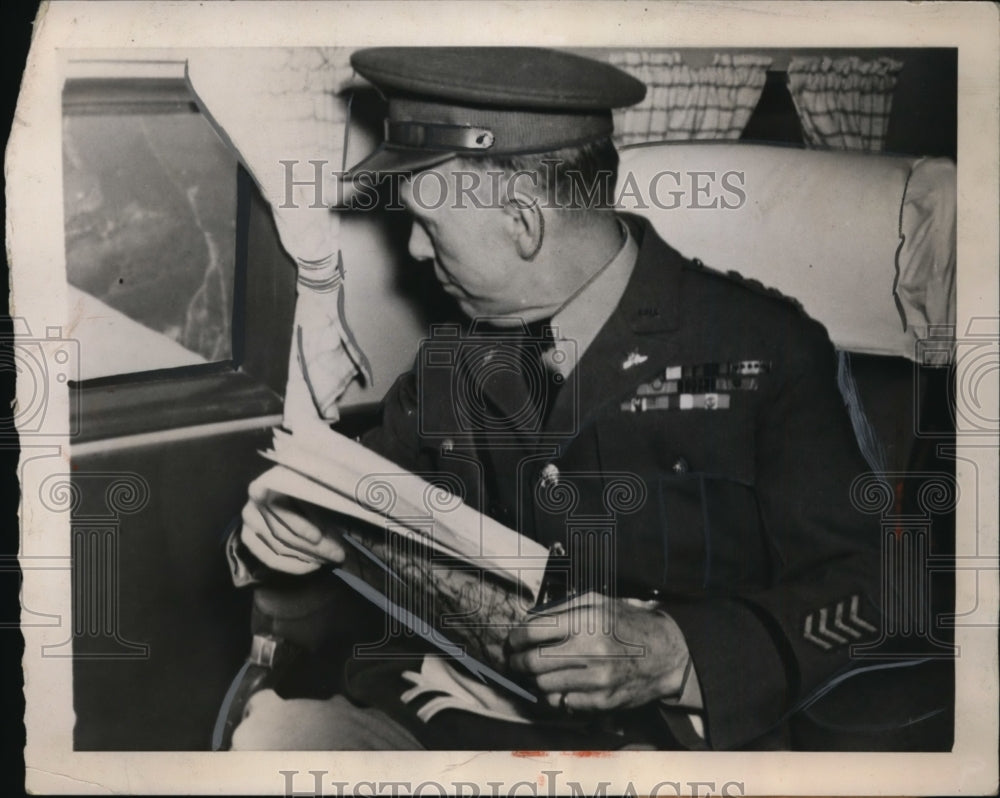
(35, 241)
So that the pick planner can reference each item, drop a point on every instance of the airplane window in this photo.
(150, 204)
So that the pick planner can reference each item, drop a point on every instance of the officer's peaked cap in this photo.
(488, 101)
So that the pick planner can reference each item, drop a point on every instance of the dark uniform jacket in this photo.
(703, 435)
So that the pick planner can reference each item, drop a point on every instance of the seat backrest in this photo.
(865, 242)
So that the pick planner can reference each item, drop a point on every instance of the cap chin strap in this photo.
(436, 136)
(422, 124)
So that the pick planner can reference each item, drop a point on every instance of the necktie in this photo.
(513, 367)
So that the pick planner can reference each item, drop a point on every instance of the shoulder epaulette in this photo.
(750, 283)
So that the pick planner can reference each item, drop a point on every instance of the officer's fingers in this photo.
(573, 678)
(577, 603)
(290, 529)
(253, 521)
(296, 527)
(301, 535)
(260, 531)
(585, 605)
(578, 689)
(271, 551)
(537, 630)
(257, 490)
(256, 531)
(536, 660)
(586, 613)
(289, 564)
(587, 700)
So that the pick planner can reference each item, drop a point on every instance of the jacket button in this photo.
(680, 466)
(550, 475)
(447, 445)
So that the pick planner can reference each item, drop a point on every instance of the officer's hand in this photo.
(286, 534)
(595, 653)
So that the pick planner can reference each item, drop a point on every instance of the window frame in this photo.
(248, 385)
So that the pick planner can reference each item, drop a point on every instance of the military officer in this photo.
(683, 424)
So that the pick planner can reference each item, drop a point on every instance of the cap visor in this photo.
(388, 160)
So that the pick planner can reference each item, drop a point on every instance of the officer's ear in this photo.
(526, 223)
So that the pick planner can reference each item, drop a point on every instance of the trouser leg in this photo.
(304, 724)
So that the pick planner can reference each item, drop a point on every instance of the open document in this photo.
(444, 570)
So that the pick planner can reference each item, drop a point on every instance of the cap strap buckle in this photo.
(436, 136)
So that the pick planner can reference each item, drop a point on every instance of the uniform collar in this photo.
(581, 319)
(652, 305)
(638, 290)
(637, 337)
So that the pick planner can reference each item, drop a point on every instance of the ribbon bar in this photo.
(681, 401)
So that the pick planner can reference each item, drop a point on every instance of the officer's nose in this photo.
(420, 246)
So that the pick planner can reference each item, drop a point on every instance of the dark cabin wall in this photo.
(169, 584)
(173, 594)
(924, 118)
(924, 115)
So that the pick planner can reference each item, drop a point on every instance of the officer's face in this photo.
(470, 244)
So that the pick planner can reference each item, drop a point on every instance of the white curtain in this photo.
(843, 103)
(684, 103)
(280, 104)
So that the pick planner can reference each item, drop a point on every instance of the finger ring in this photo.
(562, 705)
